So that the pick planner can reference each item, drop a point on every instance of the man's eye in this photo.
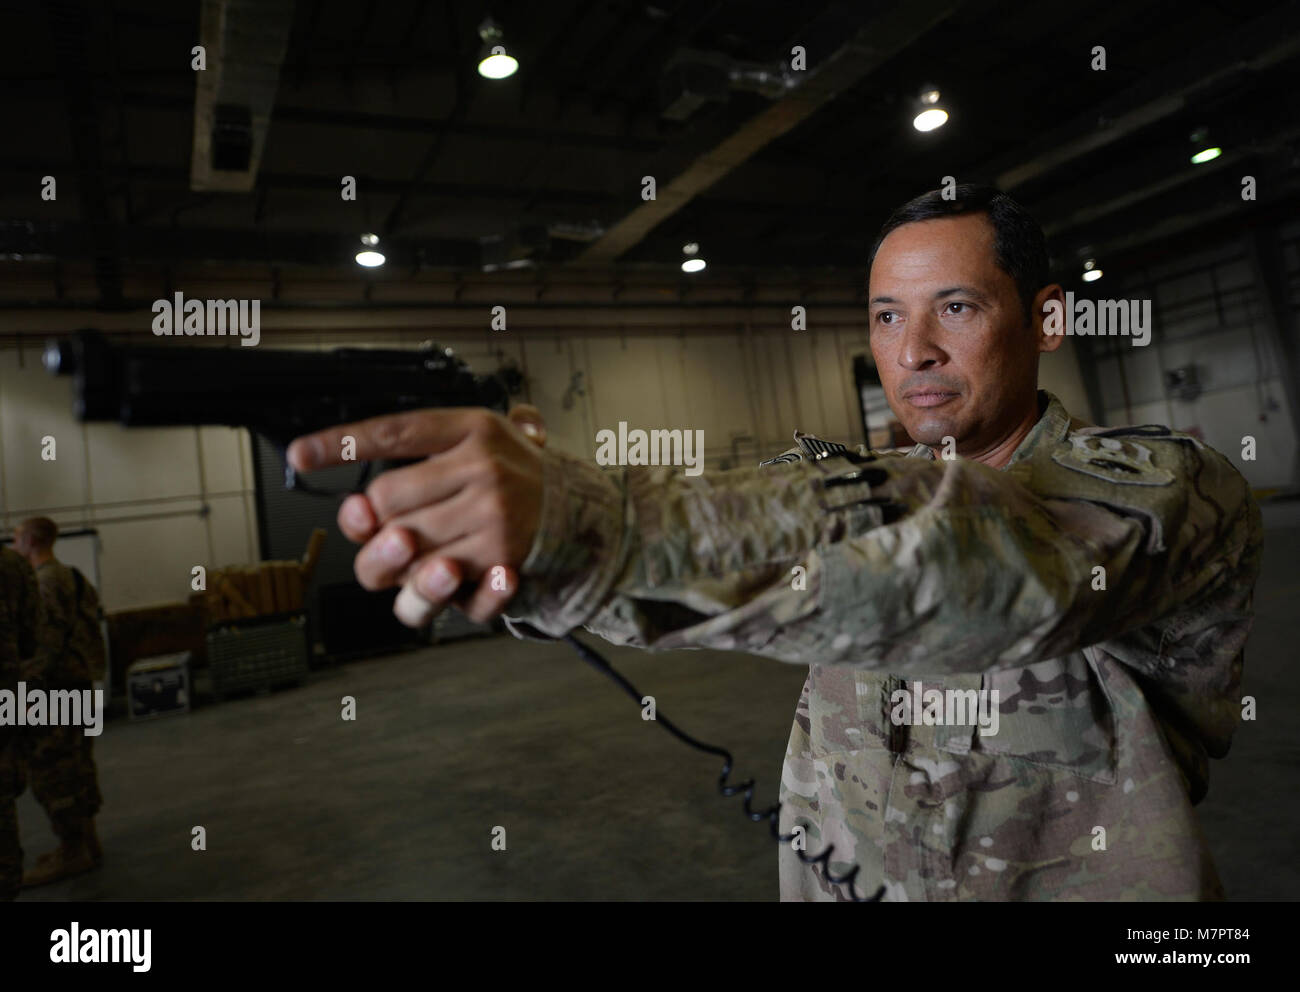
(885, 317)
(964, 307)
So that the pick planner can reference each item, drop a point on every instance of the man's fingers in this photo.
(413, 434)
(357, 519)
(494, 591)
(433, 583)
(412, 609)
(426, 483)
(450, 524)
(385, 558)
(429, 587)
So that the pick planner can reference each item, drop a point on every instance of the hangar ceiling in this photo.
(771, 169)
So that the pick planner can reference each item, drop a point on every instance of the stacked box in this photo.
(280, 587)
(264, 589)
(259, 655)
(152, 631)
(158, 686)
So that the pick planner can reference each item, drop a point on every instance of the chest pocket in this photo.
(1139, 479)
(1055, 713)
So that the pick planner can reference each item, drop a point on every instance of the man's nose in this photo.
(920, 348)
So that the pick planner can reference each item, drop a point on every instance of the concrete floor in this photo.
(454, 740)
(1253, 805)
(449, 742)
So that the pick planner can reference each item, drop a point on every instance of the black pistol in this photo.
(280, 395)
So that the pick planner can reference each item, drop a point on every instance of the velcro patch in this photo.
(1143, 480)
(1119, 460)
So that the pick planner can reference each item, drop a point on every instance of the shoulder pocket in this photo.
(1144, 479)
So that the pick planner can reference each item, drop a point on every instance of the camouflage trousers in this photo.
(1076, 796)
(59, 765)
(11, 852)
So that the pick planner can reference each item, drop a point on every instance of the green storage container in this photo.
(257, 655)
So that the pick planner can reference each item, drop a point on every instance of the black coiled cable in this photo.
(771, 815)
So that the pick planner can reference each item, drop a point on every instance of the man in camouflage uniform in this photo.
(21, 617)
(58, 760)
(1099, 580)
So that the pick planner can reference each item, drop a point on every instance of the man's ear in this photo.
(1049, 298)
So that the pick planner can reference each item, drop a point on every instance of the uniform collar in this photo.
(1051, 428)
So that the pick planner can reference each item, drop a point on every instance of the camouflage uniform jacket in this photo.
(22, 617)
(22, 620)
(63, 658)
(1100, 583)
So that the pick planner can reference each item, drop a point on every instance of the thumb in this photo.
(528, 419)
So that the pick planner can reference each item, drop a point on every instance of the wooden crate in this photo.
(155, 630)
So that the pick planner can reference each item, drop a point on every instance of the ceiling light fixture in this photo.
(929, 114)
(494, 62)
(1090, 271)
(692, 262)
(368, 256)
(1205, 152)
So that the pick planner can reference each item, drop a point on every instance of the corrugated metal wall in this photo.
(1209, 312)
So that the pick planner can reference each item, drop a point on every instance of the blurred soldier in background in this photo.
(21, 617)
(58, 759)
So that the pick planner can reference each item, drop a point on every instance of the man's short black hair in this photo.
(1018, 240)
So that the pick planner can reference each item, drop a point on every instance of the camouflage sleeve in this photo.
(921, 567)
(31, 616)
(57, 597)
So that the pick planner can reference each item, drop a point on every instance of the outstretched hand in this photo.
(452, 528)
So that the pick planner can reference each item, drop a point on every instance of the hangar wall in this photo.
(1211, 314)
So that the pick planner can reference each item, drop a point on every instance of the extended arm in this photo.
(984, 569)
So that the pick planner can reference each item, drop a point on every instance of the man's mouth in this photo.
(928, 397)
